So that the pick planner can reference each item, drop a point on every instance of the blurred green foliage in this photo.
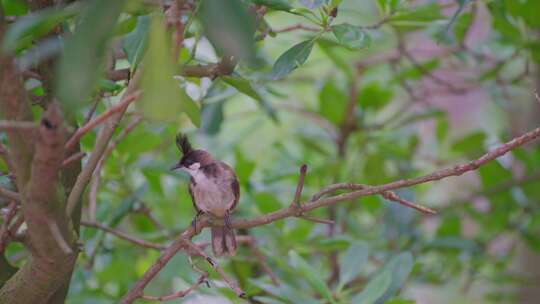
(287, 103)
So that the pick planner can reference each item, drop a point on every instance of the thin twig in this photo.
(96, 177)
(102, 141)
(179, 294)
(295, 27)
(231, 282)
(11, 125)
(389, 195)
(73, 158)
(262, 261)
(12, 195)
(123, 235)
(4, 229)
(299, 185)
(58, 237)
(126, 100)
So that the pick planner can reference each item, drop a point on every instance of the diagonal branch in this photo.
(102, 141)
(179, 244)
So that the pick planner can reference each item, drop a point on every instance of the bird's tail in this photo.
(223, 241)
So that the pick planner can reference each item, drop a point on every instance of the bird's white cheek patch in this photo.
(195, 166)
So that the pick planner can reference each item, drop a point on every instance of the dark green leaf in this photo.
(352, 37)
(135, 43)
(79, 67)
(291, 59)
(229, 27)
(33, 26)
(280, 5)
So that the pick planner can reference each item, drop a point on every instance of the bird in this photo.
(214, 190)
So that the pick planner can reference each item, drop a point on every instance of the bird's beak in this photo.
(175, 167)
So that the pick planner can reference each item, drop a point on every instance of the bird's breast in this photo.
(211, 196)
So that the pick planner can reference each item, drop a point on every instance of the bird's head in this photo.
(191, 159)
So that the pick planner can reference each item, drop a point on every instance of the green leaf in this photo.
(134, 44)
(332, 102)
(352, 262)
(267, 202)
(33, 26)
(279, 5)
(352, 37)
(291, 59)
(212, 117)
(14, 7)
(374, 95)
(441, 131)
(79, 66)
(229, 27)
(400, 267)
(243, 85)
(125, 26)
(375, 289)
(462, 25)
(423, 13)
(162, 98)
(470, 145)
(313, 277)
(450, 226)
(243, 167)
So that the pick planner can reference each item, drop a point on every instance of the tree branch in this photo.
(102, 141)
(124, 235)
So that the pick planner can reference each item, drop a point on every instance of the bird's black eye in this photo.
(186, 161)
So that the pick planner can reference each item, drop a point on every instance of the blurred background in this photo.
(362, 91)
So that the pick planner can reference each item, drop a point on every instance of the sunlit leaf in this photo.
(163, 99)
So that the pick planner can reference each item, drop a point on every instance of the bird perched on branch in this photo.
(214, 189)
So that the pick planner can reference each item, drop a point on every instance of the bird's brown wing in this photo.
(236, 191)
(190, 188)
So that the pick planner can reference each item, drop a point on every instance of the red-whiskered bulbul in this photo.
(214, 189)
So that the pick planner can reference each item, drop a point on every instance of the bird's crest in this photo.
(182, 142)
